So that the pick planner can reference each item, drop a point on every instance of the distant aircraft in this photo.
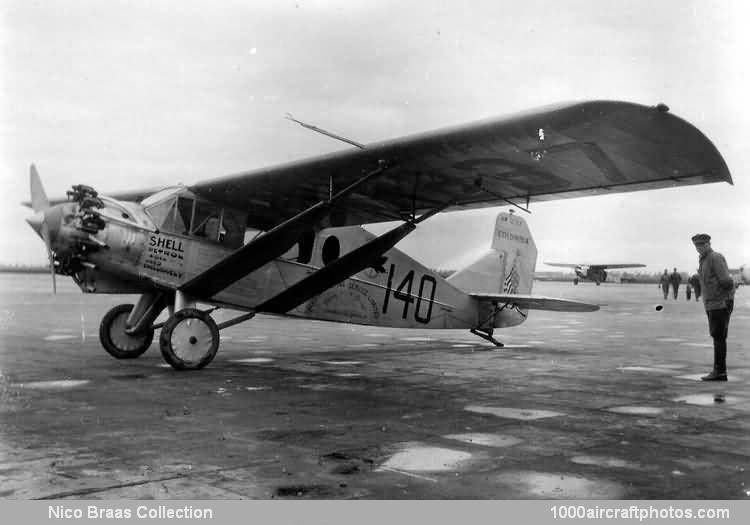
(593, 272)
(184, 246)
(740, 275)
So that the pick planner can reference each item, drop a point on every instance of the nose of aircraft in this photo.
(47, 222)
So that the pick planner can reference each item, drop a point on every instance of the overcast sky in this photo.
(131, 94)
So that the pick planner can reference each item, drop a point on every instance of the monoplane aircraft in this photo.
(186, 246)
(594, 272)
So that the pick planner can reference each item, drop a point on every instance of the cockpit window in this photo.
(232, 231)
(160, 196)
(163, 214)
(184, 215)
(206, 220)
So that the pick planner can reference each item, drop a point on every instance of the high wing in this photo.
(597, 266)
(570, 150)
(538, 302)
(615, 266)
(567, 151)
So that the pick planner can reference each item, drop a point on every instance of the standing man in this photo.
(664, 281)
(675, 279)
(717, 287)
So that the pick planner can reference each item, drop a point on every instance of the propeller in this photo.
(40, 205)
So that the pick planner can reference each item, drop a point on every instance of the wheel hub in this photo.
(191, 340)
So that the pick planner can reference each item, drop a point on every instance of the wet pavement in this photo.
(576, 406)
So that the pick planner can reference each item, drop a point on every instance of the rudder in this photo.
(508, 267)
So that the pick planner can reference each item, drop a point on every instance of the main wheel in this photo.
(189, 339)
(116, 341)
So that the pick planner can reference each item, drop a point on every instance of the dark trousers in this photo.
(718, 327)
(675, 287)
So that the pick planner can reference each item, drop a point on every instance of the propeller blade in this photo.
(40, 204)
(50, 255)
(39, 200)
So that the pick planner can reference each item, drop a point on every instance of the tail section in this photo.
(508, 268)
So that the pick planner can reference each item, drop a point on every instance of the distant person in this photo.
(688, 290)
(718, 298)
(675, 279)
(695, 282)
(664, 282)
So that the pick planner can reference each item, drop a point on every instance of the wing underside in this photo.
(575, 150)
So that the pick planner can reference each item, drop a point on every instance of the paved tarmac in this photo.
(576, 406)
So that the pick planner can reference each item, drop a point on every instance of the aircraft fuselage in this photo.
(400, 293)
(598, 275)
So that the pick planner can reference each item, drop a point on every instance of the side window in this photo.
(232, 229)
(201, 219)
(331, 250)
(206, 221)
(183, 216)
(163, 214)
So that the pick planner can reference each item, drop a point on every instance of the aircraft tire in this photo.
(115, 341)
(189, 340)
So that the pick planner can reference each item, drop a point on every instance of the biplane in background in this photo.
(594, 272)
(181, 246)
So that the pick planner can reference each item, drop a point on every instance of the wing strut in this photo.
(268, 246)
(337, 271)
(344, 267)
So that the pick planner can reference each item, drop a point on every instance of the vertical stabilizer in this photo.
(508, 268)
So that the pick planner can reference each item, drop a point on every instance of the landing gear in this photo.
(116, 341)
(189, 340)
(487, 335)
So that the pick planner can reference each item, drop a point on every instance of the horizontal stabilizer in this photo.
(537, 302)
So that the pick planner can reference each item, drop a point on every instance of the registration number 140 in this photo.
(403, 292)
